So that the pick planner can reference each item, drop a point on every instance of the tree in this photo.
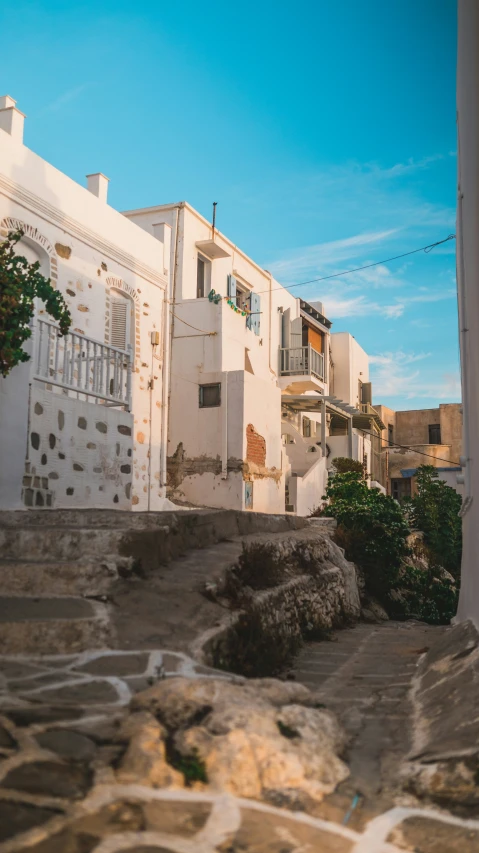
(345, 465)
(20, 284)
(434, 509)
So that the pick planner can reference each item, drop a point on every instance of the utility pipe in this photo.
(169, 328)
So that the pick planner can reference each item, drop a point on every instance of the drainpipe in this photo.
(270, 319)
(323, 428)
(224, 443)
(461, 295)
(169, 328)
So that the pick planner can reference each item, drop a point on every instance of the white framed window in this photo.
(121, 320)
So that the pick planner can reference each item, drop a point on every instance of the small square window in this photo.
(434, 433)
(210, 395)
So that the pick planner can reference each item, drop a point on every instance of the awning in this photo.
(212, 250)
(307, 403)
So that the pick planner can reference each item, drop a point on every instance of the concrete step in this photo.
(54, 625)
(69, 577)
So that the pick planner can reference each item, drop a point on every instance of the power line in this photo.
(409, 447)
(192, 327)
(425, 249)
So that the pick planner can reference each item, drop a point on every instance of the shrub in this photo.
(20, 284)
(434, 509)
(373, 528)
(344, 465)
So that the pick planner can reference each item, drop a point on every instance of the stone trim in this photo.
(10, 223)
(118, 284)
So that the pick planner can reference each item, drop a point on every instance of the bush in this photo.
(434, 509)
(20, 284)
(344, 465)
(373, 529)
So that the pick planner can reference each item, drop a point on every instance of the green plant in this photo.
(430, 595)
(251, 650)
(434, 509)
(20, 284)
(373, 529)
(191, 766)
(344, 465)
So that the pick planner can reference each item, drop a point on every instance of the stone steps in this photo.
(51, 559)
(68, 577)
(52, 625)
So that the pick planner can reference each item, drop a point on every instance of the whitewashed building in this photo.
(252, 369)
(83, 423)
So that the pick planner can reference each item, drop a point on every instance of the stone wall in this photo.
(303, 587)
(79, 453)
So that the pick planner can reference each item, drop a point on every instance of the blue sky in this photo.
(324, 130)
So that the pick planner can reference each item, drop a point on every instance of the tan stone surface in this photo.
(426, 835)
(252, 739)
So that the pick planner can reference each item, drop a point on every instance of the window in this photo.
(400, 488)
(210, 395)
(435, 434)
(306, 428)
(120, 321)
(203, 277)
(390, 434)
(245, 300)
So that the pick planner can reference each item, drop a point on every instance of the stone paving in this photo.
(58, 794)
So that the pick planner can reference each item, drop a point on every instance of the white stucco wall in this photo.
(211, 344)
(468, 277)
(90, 251)
(351, 364)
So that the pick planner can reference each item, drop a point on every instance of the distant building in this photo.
(253, 423)
(420, 437)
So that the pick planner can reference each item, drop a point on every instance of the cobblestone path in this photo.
(57, 797)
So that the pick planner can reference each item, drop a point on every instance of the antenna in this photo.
(214, 218)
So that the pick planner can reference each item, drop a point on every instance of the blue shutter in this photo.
(255, 303)
(231, 287)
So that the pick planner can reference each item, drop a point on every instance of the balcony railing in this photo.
(82, 365)
(302, 361)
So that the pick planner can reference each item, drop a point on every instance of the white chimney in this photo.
(98, 185)
(162, 232)
(11, 119)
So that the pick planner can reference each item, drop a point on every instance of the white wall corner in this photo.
(12, 121)
(97, 184)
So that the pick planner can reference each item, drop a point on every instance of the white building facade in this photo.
(250, 413)
(83, 423)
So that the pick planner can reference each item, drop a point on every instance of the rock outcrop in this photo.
(444, 762)
(262, 738)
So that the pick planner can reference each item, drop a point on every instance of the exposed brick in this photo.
(255, 447)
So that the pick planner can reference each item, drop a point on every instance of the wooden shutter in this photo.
(120, 313)
(231, 287)
(286, 329)
(255, 303)
(297, 333)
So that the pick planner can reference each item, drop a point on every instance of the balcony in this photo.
(82, 366)
(301, 368)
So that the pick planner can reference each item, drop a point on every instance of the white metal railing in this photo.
(300, 361)
(77, 363)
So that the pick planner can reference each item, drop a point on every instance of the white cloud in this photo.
(66, 97)
(319, 259)
(394, 374)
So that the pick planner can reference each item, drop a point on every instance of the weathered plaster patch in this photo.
(63, 251)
